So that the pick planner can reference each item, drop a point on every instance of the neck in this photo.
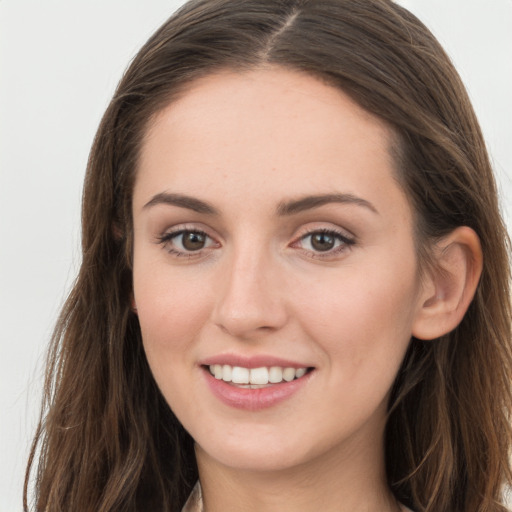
(337, 482)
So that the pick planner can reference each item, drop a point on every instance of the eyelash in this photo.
(345, 242)
(167, 238)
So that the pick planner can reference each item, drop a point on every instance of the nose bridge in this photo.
(250, 298)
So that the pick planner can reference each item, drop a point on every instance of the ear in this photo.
(450, 285)
(133, 304)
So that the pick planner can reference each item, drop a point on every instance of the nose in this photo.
(251, 298)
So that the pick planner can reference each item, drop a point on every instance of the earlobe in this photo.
(133, 304)
(450, 285)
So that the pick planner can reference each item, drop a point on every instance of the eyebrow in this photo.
(310, 202)
(183, 201)
(283, 209)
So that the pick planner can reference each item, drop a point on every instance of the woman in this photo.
(294, 292)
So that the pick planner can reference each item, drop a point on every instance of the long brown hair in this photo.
(108, 441)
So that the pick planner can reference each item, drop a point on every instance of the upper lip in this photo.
(256, 361)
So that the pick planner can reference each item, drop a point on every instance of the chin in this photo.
(258, 453)
(256, 460)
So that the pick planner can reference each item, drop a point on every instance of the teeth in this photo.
(239, 375)
(217, 371)
(300, 372)
(227, 373)
(256, 376)
(275, 374)
(288, 374)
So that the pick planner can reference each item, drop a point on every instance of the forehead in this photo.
(269, 130)
(271, 95)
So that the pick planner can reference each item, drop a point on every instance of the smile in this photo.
(258, 387)
(254, 378)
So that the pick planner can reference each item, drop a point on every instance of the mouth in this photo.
(256, 378)
(257, 382)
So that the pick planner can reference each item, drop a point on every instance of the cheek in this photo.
(362, 320)
(171, 311)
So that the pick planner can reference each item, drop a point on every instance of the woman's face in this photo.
(273, 242)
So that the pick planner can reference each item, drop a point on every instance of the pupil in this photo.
(322, 241)
(193, 241)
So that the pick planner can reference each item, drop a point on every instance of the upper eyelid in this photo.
(180, 231)
(337, 230)
(168, 236)
(347, 240)
(180, 228)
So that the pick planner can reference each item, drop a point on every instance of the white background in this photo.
(59, 63)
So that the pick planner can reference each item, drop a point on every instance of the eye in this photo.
(186, 242)
(324, 241)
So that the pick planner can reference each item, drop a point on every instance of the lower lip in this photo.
(254, 399)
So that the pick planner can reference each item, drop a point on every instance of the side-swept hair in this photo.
(107, 441)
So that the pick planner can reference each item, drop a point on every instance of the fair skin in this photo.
(230, 268)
